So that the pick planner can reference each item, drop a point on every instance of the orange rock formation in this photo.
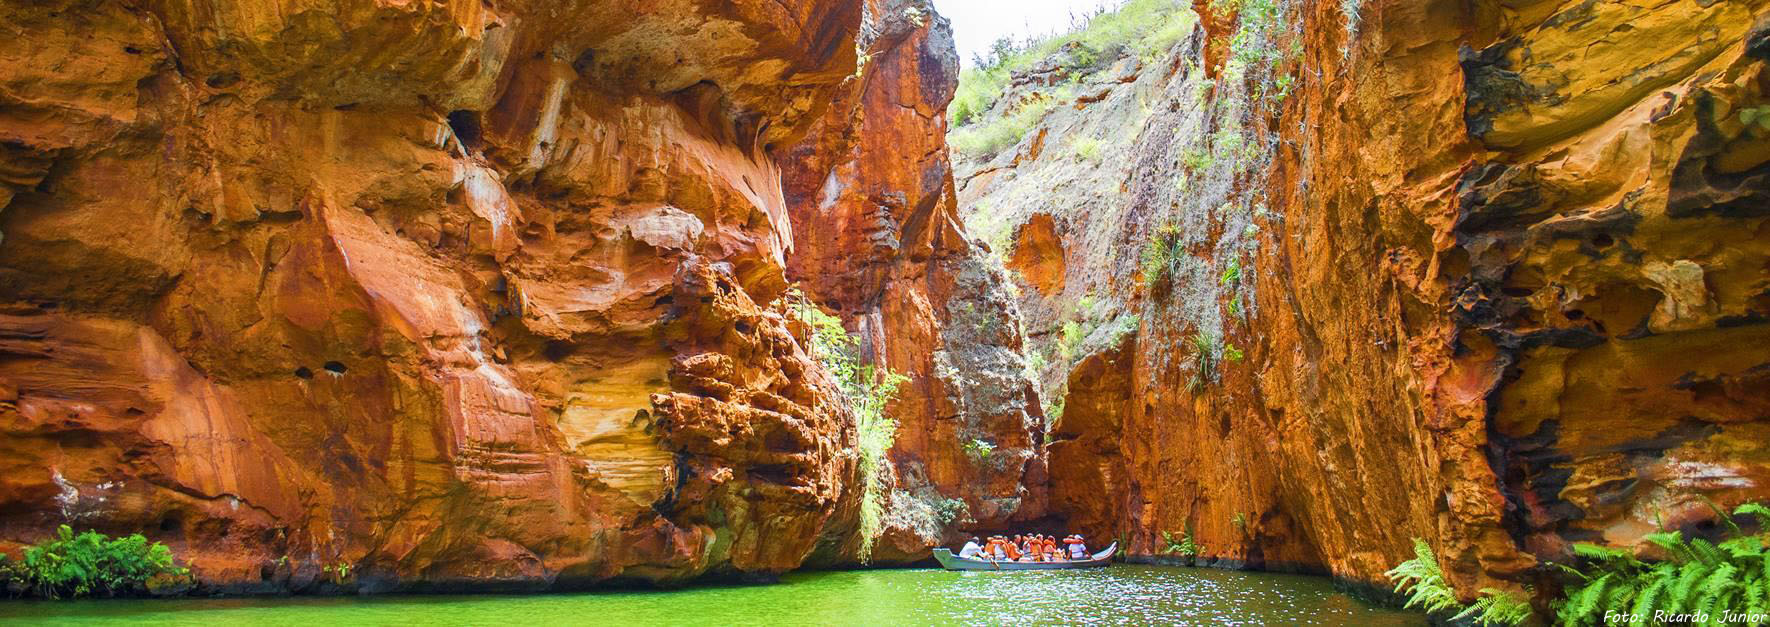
(1500, 283)
(458, 293)
(881, 241)
(487, 294)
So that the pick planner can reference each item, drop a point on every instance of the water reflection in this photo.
(1119, 595)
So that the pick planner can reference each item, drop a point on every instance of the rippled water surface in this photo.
(1121, 594)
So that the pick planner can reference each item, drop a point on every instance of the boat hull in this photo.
(953, 562)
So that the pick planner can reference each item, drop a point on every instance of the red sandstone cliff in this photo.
(486, 294)
(881, 242)
(457, 293)
(1494, 276)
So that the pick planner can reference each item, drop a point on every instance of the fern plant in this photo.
(1182, 546)
(88, 564)
(1495, 608)
(1700, 579)
(1423, 581)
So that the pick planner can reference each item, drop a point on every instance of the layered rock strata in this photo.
(455, 294)
(881, 242)
(1493, 276)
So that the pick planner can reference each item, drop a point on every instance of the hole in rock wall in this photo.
(466, 126)
(585, 62)
(556, 350)
(303, 372)
(223, 79)
(334, 367)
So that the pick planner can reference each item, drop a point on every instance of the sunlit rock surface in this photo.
(880, 241)
(482, 295)
(1505, 288)
(461, 294)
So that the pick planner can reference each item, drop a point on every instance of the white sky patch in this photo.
(978, 23)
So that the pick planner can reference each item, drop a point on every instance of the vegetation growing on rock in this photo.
(89, 564)
(1181, 545)
(1695, 577)
(1691, 577)
(1422, 580)
(869, 389)
(1146, 28)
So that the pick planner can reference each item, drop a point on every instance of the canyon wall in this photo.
(500, 295)
(881, 243)
(386, 295)
(1488, 274)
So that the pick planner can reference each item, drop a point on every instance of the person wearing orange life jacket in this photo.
(1077, 549)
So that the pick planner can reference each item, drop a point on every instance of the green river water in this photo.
(1119, 595)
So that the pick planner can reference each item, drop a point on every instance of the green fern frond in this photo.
(1757, 510)
(1496, 607)
(1683, 590)
(1645, 599)
(1593, 551)
(1671, 541)
(1717, 584)
(1616, 598)
(1422, 581)
(1755, 596)
(1583, 601)
(1743, 547)
(1706, 552)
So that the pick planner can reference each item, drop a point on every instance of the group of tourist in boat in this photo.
(1026, 548)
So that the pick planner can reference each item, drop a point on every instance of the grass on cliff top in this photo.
(1143, 27)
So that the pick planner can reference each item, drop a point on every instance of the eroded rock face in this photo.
(1609, 269)
(1502, 287)
(457, 293)
(880, 242)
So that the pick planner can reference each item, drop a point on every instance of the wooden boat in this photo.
(954, 562)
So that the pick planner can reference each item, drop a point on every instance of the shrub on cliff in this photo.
(1156, 262)
(89, 564)
(868, 389)
(1182, 545)
(1146, 28)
